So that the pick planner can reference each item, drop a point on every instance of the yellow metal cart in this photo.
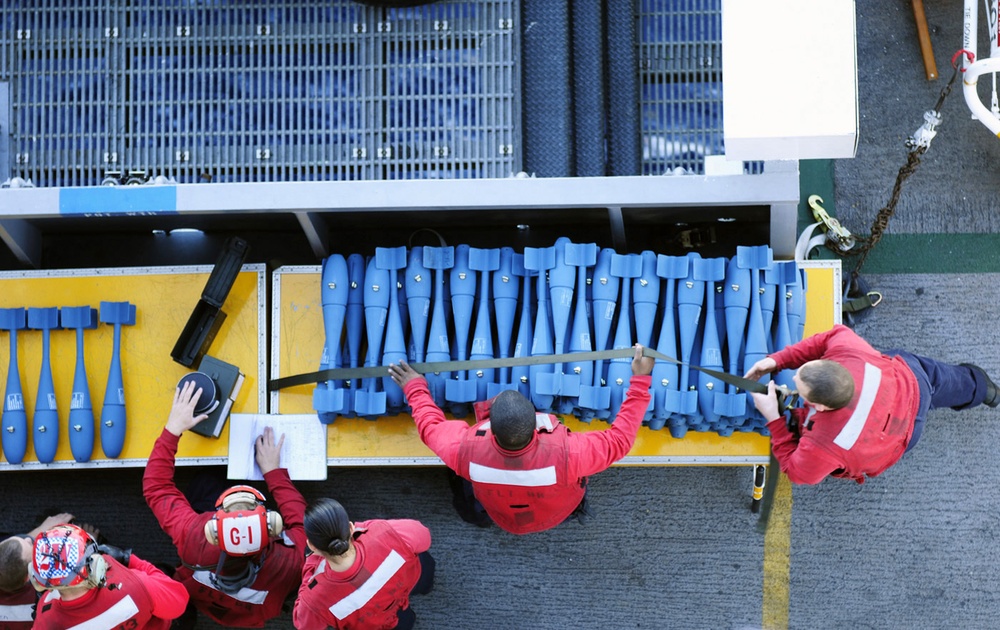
(164, 298)
(297, 343)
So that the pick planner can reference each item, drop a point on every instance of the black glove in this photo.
(121, 555)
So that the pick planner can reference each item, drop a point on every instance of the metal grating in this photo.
(680, 60)
(233, 91)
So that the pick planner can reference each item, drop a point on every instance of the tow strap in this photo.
(785, 398)
(336, 374)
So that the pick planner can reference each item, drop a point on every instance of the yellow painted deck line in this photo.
(823, 310)
(777, 559)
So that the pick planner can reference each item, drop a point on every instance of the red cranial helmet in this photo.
(66, 556)
(241, 525)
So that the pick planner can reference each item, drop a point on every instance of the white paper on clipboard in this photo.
(303, 452)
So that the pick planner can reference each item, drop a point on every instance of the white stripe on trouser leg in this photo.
(379, 578)
(530, 478)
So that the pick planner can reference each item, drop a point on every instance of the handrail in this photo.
(973, 67)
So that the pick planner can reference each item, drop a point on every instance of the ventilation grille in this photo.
(233, 91)
(680, 59)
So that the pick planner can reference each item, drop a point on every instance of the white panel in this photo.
(789, 72)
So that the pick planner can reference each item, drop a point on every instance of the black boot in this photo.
(992, 398)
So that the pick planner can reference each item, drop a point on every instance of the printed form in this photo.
(303, 452)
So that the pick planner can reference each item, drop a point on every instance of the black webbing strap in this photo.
(380, 371)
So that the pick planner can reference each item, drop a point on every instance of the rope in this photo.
(918, 145)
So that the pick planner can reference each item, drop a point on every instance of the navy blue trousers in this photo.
(941, 385)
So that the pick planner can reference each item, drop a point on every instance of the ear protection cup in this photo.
(97, 568)
(211, 533)
(274, 524)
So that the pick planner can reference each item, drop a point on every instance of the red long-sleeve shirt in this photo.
(17, 608)
(526, 506)
(283, 558)
(592, 451)
(863, 438)
(139, 596)
(374, 589)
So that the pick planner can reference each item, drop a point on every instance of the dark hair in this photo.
(13, 568)
(327, 527)
(512, 420)
(829, 383)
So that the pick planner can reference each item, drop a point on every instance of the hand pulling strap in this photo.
(483, 364)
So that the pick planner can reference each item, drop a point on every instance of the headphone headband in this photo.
(239, 494)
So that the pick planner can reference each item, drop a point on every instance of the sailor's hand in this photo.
(641, 365)
(267, 452)
(50, 522)
(402, 373)
(182, 415)
(760, 368)
(767, 404)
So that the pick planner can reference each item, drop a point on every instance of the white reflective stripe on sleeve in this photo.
(123, 610)
(379, 577)
(869, 391)
(245, 594)
(529, 478)
(21, 612)
(543, 422)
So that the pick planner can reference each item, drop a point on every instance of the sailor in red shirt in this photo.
(361, 575)
(527, 469)
(240, 562)
(862, 409)
(91, 586)
(17, 595)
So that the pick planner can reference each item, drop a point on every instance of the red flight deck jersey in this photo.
(536, 488)
(136, 597)
(16, 608)
(865, 437)
(374, 589)
(281, 571)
